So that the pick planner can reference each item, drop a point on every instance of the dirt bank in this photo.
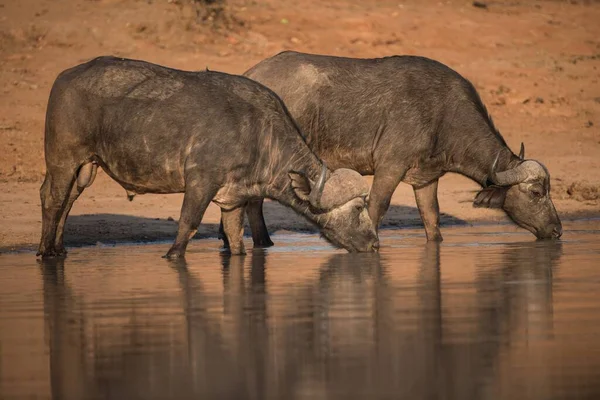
(536, 65)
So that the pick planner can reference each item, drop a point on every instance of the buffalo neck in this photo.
(291, 154)
(475, 160)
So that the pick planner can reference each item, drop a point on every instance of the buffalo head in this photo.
(523, 192)
(338, 204)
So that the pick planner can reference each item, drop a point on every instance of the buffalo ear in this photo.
(300, 184)
(491, 197)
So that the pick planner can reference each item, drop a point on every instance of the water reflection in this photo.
(64, 333)
(359, 326)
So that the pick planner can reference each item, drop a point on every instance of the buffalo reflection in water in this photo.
(354, 330)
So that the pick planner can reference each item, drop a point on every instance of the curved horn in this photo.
(509, 177)
(522, 152)
(317, 190)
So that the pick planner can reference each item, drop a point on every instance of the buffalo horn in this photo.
(522, 152)
(512, 176)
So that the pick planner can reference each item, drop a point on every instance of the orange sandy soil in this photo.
(535, 63)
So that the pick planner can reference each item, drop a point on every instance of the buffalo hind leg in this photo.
(54, 193)
(384, 185)
(427, 203)
(60, 229)
(232, 222)
(260, 234)
(195, 202)
(85, 178)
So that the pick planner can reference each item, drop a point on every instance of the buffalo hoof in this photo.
(237, 252)
(263, 243)
(435, 238)
(225, 241)
(61, 250)
(52, 253)
(174, 254)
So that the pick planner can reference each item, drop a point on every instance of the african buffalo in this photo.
(405, 118)
(210, 135)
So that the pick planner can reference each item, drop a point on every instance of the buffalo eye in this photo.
(537, 192)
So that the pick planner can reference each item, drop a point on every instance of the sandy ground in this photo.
(535, 63)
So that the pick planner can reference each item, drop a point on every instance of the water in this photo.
(488, 314)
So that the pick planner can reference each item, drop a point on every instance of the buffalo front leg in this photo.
(233, 227)
(260, 235)
(222, 236)
(195, 202)
(382, 190)
(53, 195)
(427, 203)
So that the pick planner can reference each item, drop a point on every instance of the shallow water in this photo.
(488, 314)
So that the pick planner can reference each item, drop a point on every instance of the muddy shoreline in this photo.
(536, 66)
(166, 230)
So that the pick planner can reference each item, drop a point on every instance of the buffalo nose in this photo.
(557, 232)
